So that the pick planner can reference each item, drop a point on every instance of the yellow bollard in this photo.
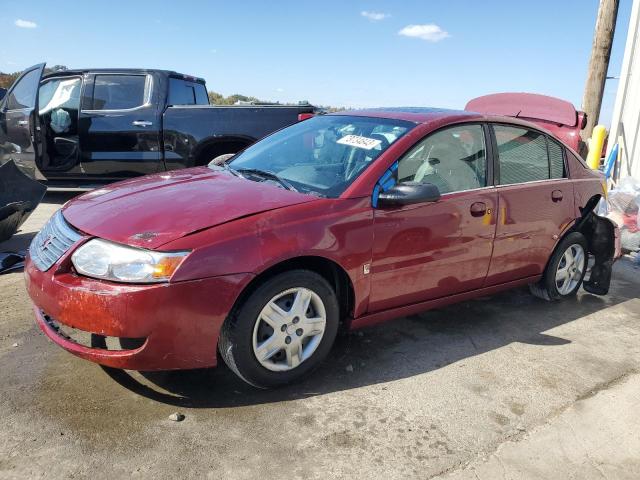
(595, 146)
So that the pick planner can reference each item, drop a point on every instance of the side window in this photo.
(181, 92)
(556, 159)
(119, 92)
(202, 98)
(59, 93)
(452, 159)
(24, 93)
(522, 155)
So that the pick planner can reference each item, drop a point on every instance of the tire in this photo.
(270, 324)
(554, 285)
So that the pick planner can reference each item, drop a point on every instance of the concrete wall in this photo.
(625, 125)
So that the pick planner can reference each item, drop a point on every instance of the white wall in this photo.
(625, 124)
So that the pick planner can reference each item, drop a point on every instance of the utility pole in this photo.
(598, 64)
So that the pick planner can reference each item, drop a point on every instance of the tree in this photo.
(7, 79)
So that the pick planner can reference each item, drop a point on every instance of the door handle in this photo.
(141, 123)
(23, 123)
(478, 209)
(556, 196)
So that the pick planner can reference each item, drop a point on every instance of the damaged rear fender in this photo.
(603, 241)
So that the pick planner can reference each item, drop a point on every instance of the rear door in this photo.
(120, 125)
(431, 250)
(535, 202)
(19, 126)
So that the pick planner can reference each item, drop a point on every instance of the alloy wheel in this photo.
(570, 269)
(289, 329)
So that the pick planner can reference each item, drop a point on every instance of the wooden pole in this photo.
(598, 65)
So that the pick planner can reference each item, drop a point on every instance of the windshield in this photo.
(322, 155)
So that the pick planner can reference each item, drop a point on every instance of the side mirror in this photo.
(408, 193)
(221, 159)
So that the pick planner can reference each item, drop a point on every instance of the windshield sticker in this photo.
(359, 142)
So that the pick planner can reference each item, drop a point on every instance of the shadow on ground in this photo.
(396, 350)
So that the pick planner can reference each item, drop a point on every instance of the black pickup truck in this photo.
(83, 128)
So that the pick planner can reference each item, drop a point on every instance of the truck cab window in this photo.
(202, 98)
(119, 92)
(58, 107)
(183, 92)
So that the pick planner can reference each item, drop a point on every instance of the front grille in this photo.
(53, 241)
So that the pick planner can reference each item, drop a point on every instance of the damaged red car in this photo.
(340, 221)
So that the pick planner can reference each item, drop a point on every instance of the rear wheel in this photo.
(282, 331)
(566, 269)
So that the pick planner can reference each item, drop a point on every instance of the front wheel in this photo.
(282, 331)
(565, 270)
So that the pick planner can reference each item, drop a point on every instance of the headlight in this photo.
(119, 263)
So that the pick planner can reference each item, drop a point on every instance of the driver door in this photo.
(19, 126)
(431, 250)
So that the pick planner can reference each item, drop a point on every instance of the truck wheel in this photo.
(282, 331)
(565, 271)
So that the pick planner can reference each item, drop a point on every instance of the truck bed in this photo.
(205, 123)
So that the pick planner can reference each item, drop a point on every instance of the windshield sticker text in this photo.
(359, 142)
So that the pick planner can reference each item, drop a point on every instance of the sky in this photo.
(346, 53)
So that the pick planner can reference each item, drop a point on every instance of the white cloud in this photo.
(374, 16)
(429, 32)
(280, 90)
(25, 23)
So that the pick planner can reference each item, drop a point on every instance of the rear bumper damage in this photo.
(603, 237)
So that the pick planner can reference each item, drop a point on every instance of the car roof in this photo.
(441, 116)
(411, 114)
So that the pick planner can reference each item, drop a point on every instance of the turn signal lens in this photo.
(166, 266)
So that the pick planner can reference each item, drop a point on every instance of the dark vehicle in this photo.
(19, 197)
(3, 92)
(96, 126)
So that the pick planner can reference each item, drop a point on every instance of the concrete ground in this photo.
(502, 387)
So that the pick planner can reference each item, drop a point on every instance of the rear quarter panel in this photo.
(587, 183)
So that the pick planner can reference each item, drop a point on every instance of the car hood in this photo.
(151, 211)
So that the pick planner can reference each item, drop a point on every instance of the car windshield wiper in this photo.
(269, 175)
(226, 166)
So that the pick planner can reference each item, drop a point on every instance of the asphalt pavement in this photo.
(507, 386)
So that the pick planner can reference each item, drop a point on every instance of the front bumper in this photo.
(179, 322)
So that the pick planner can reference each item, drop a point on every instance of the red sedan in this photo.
(344, 220)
